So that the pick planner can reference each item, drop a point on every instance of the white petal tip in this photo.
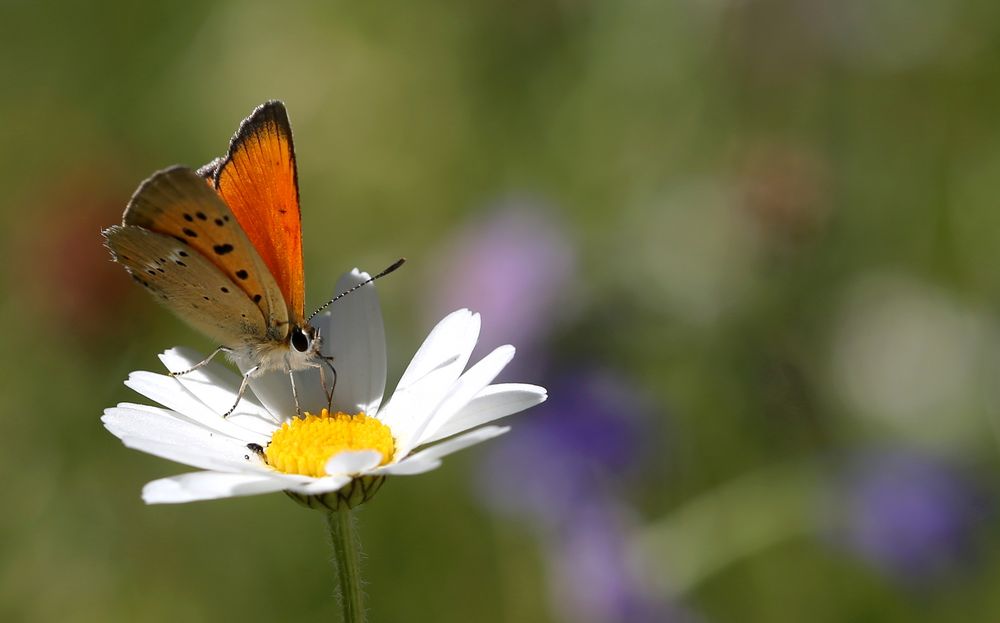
(162, 492)
(358, 274)
(455, 315)
(508, 350)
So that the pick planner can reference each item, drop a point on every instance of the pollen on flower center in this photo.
(304, 445)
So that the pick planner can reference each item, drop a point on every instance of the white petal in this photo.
(459, 442)
(207, 486)
(430, 458)
(353, 334)
(318, 486)
(492, 403)
(158, 432)
(217, 386)
(352, 462)
(154, 423)
(453, 336)
(169, 392)
(231, 458)
(435, 367)
(409, 468)
(473, 381)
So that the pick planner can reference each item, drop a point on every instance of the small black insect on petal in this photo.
(257, 449)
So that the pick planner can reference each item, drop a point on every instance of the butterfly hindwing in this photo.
(184, 280)
(179, 204)
(258, 181)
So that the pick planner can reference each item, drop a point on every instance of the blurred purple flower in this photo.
(593, 576)
(911, 516)
(588, 437)
(564, 470)
(515, 267)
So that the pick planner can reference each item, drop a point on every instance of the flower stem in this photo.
(347, 563)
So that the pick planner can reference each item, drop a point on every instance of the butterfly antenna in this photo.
(385, 272)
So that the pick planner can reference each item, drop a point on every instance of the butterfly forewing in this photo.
(181, 206)
(188, 283)
(258, 181)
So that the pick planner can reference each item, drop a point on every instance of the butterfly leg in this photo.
(295, 393)
(203, 362)
(322, 379)
(243, 388)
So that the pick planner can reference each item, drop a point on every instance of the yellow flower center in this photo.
(304, 445)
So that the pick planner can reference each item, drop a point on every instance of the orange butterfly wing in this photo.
(259, 183)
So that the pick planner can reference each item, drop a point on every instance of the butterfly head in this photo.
(304, 342)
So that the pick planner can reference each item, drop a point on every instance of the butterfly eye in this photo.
(300, 340)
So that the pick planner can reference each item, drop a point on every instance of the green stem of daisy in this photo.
(347, 563)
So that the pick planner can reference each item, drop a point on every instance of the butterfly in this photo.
(221, 246)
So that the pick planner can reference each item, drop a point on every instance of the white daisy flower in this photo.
(325, 460)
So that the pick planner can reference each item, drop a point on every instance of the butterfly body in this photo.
(221, 246)
(300, 351)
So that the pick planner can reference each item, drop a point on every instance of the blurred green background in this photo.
(771, 225)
